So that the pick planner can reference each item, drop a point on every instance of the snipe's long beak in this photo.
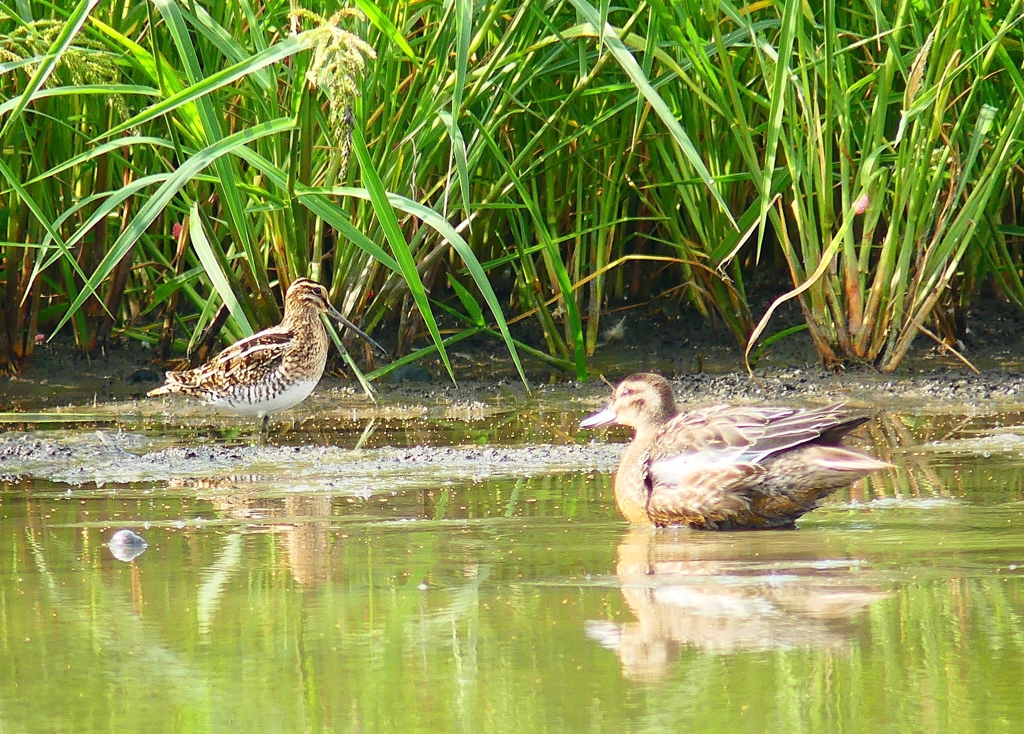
(601, 418)
(337, 316)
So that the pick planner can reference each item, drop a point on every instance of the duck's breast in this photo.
(631, 484)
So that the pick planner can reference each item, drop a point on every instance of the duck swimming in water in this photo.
(726, 467)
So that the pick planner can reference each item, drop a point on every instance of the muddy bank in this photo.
(101, 458)
(498, 413)
(489, 406)
(706, 363)
(118, 383)
(933, 387)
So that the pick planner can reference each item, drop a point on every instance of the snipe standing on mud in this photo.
(272, 370)
(726, 467)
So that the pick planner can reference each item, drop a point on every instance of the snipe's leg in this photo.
(264, 429)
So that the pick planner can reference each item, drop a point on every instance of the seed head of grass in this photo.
(82, 64)
(339, 57)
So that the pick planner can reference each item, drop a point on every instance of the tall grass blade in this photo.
(72, 25)
(399, 247)
(561, 274)
(453, 238)
(228, 184)
(278, 52)
(385, 25)
(215, 271)
(167, 191)
(637, 76)
(790, 17)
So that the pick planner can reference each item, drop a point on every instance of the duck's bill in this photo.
(603, 418)
(336, 315)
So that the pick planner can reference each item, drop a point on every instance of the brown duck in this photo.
(726, 467)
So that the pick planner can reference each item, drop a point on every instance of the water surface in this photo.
(515, 602)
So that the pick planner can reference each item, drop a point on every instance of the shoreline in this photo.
(704, 365)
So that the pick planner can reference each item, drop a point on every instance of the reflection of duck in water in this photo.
(724, 597)
(726, 467)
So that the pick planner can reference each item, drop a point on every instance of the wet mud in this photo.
(102, 458)
(705, 362)
(79, 421)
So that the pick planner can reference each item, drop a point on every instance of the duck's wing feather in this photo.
(246, 361)
(725, 434)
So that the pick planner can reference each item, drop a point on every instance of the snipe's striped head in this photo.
(308, 296)
(308, 299)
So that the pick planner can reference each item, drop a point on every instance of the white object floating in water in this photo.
(126, 545)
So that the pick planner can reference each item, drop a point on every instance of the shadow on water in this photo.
(495, 589)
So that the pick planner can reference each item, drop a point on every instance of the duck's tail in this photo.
(811, 473)
(832, 435)
(843, 461)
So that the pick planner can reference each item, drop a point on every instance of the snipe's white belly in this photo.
(263, 402)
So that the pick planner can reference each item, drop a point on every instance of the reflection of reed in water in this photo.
(724, 594)
(911, 476)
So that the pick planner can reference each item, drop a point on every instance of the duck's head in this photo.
(640, 401)
(308, 299)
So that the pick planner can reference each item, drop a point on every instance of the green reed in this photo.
(448, 167)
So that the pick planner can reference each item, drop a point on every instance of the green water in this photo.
(517, 605)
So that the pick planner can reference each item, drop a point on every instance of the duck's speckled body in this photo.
(726, 467)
